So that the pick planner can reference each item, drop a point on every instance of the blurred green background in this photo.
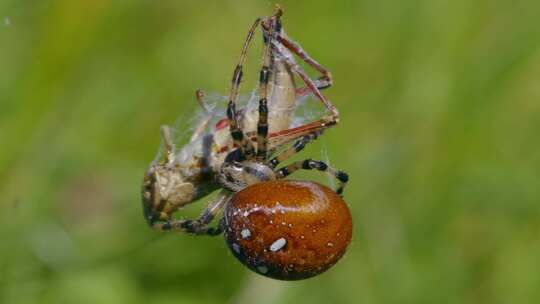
(440, 104)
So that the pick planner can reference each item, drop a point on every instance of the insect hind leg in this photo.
(284, 47)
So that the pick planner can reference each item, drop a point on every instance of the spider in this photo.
(280, 228)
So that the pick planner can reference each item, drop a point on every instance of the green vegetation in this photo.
(440, 104)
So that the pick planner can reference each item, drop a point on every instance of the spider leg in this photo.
(298, 146)
(237, 134)
(262, 124)
(310, 164)
(200, 225)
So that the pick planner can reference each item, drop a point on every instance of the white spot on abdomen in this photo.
(278, 244)
(245, 233)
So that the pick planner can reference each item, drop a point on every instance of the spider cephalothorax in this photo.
(235, 176)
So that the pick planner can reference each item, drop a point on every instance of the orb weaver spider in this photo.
(280, 228)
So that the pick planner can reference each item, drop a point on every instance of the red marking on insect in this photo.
(222, 124)
(286, 135)
(303, 91)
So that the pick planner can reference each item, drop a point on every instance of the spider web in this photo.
(305, 109)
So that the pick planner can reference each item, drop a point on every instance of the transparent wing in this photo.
(191, 127)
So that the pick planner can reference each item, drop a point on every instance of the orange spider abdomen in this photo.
(287, 229)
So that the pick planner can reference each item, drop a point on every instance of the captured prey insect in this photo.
(187, 174)
(280, 228)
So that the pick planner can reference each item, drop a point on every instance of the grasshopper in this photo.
(187, 174)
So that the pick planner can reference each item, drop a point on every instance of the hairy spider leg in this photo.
(262, 124)
(307, 164)
(200, 225)
(310, 164)
(245, 146)
(298, 146)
